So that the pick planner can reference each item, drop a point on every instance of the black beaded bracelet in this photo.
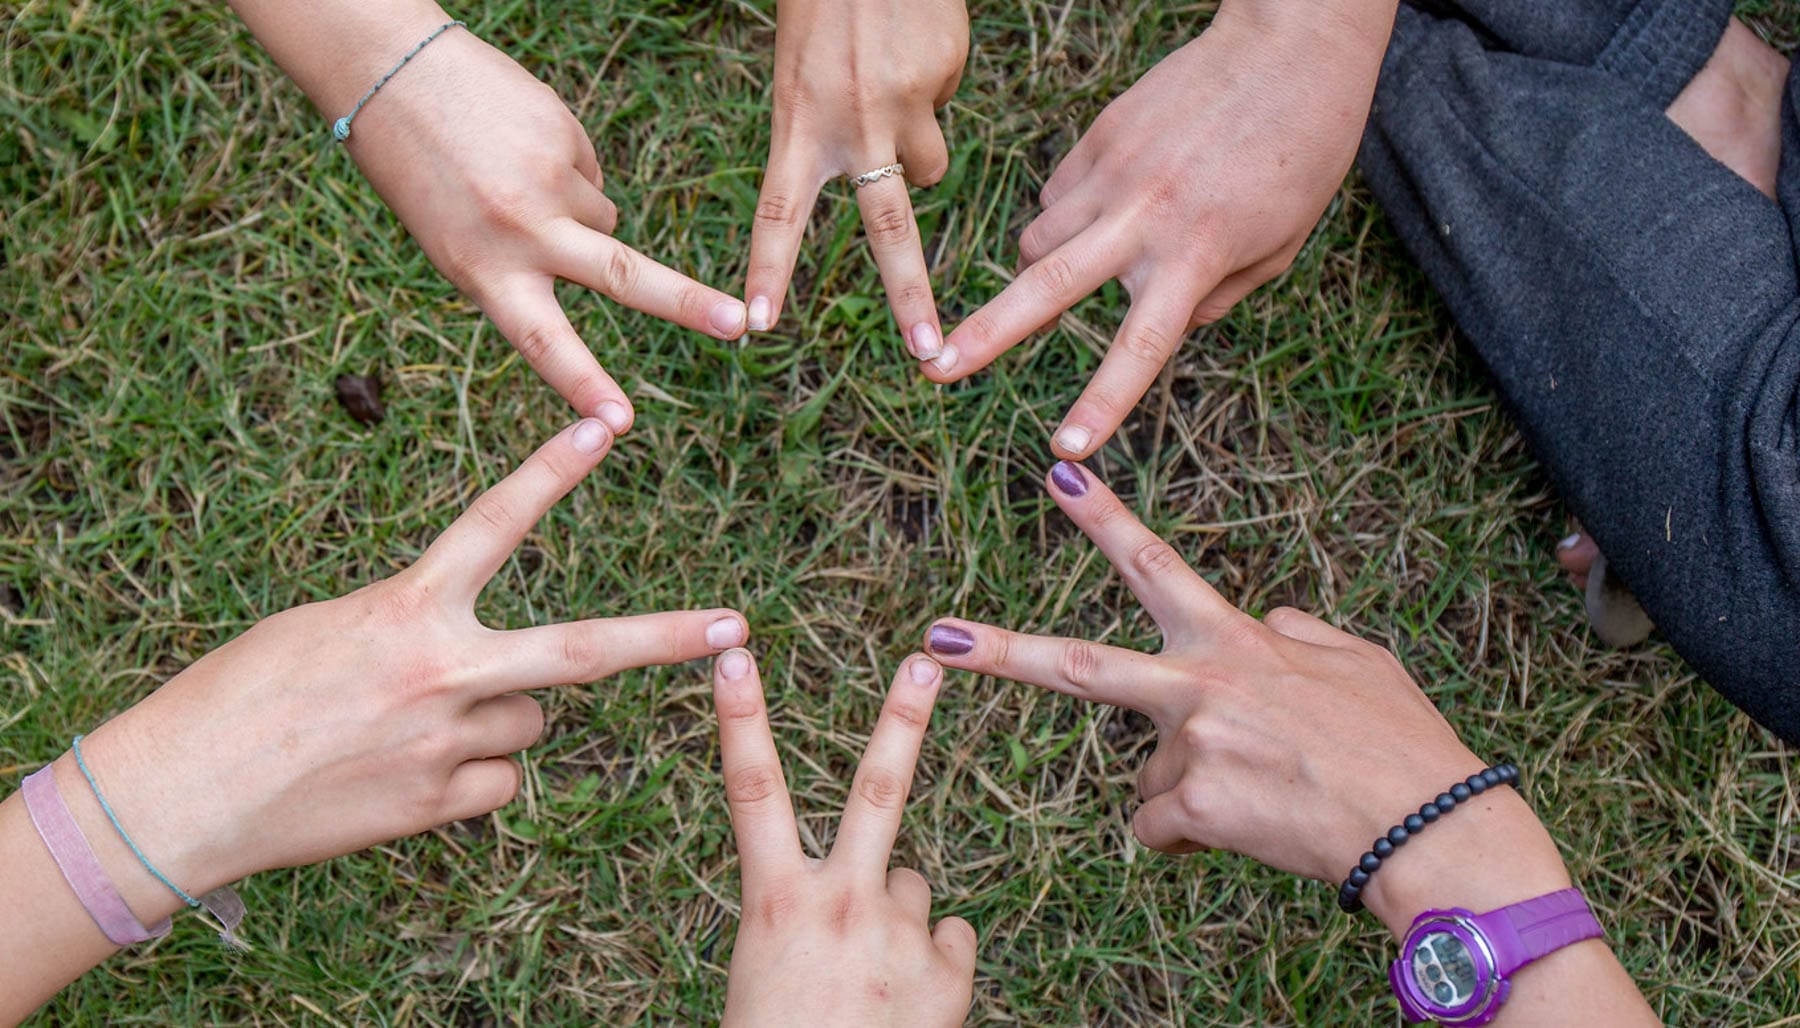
(1350, 893)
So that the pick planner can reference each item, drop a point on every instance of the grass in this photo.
(188, 266)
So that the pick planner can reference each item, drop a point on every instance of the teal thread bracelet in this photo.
(340, 129)
(117, 827)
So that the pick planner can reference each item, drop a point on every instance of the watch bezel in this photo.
(1459, 924)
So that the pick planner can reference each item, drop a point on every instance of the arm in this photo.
(1296, 744)
(849, 100)
(841, 940)
(325, 729)
(490, 172)
(1195, 186)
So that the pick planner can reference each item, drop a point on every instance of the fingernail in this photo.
(589, 436)
(1068, 477)
(1073, 438)
(924, 670)
(615, 416)
(925, 341)
(728, 319)
(1570, 541)
(945, 360)
(734, 664)
(760, 309)
(725, 632)
(949, 640)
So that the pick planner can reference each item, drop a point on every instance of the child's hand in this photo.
(337, 725)
(841, 940)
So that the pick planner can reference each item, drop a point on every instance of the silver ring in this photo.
(872, 177)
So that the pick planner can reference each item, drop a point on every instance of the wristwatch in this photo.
(1454, 964)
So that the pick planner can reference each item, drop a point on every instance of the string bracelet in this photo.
(1350, 893)
(222, 903)
(340, 129)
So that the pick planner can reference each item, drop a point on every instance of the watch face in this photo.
(1443, 971)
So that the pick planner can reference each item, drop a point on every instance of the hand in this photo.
(1285, 739)
(856, 85)
(499, 183)
(841, 940)
(1194, 187)
(338, 725)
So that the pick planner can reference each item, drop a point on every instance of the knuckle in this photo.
(890, 225)
(778, 905)
(1055, 276)
(912, 296)
(1079, 662)
(1155, 558)
(539, 342)
(502, 202)
(619, 273)
(398, 602)
(777, 210)
(1147, 345)
(1283, 617)
(880, 788)
(1195, 803)
(493, 514)
(580, 653)
(753, 784)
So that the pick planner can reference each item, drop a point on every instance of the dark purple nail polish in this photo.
(950, 640)
(1068, 478)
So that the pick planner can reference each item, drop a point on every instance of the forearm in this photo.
(336, 49)
(50, 940)
(1493, 852)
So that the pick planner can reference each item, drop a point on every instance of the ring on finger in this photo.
(872, 177)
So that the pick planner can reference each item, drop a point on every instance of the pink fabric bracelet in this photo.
(80, 868)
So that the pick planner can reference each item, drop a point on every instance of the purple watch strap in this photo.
(1525, 931)
(80, 868)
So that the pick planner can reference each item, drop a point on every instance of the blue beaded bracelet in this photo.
(1350, 893)
(340, 129)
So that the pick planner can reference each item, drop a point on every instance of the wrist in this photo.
(1333, 30)
(1490, 852)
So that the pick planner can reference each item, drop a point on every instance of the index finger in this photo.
(883, 779)
(476, 544)
(609, 267)
(762, 816)
(900, 255)
(1075, 667)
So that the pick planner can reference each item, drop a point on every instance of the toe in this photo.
(1576, 555)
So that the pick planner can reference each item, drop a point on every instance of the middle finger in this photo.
(887, 216)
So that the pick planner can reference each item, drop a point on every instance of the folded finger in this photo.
(1162, 824)
(589, 205)
(1183, 604)
(587, 651)
(478, 787)
(1152, 332)
(501, 725)
(894, 239)
(460, 561)
(601, 263)
(762, 816)
(884, 777)
(790, 187)
(1035, 298)
(1074, 667)
(525, 311)
(1054, 227)
(910, 889)
(955, 938)
(923, 151)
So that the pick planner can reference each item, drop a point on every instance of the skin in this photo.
(1195, 186)
(848, 100)
(493, 176)
(1292, 742)
(336, 726)
(838, 940)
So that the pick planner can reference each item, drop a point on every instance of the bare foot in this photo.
(1732, 108)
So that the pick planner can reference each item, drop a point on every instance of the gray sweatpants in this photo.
(1637, 303)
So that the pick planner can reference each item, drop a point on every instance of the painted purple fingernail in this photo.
(950, 640)
(1068, 478)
